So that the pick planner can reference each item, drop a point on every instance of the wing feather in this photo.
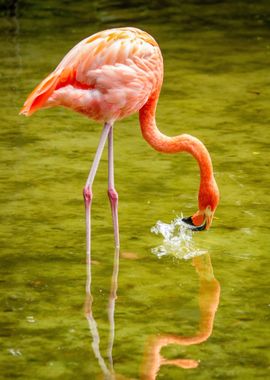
(124, 65)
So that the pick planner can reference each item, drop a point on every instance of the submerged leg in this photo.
(88, 196)
(112, 193)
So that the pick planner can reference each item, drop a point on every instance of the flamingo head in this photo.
(208, 201)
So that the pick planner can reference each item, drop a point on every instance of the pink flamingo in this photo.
(109, 76)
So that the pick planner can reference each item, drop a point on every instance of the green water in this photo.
(216, 87)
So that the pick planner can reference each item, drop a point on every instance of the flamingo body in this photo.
(107, 76)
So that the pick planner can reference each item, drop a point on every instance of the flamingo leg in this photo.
(88, 196)
(112, 193)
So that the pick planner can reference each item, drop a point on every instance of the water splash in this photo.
(178, 240)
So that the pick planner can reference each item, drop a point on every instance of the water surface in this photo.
(216, 87)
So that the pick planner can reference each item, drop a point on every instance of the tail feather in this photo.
(40, 94)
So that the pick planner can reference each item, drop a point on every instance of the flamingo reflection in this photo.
(107, 372)
(209, 293)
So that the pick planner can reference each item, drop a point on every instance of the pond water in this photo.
(205, 318)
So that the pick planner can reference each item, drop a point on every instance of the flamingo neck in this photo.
(180, 143)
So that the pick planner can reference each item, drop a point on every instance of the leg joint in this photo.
(87, 194)
(113, 195)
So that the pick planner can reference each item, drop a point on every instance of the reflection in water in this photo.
(108, 373)
(209, 293)
(95, 336)
(111, 308)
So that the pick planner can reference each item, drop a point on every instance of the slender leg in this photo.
(88, 196)
(112, 193)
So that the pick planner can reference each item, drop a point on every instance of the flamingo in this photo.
(109, 76)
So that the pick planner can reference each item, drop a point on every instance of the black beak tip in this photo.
(189, 224)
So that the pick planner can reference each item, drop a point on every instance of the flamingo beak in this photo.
(199, 221)
(190, 224)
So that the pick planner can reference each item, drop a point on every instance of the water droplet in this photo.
(30, 319)
(14, 352)
(177, 240)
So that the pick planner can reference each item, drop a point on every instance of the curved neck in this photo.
(209, 294)
(166, 144)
